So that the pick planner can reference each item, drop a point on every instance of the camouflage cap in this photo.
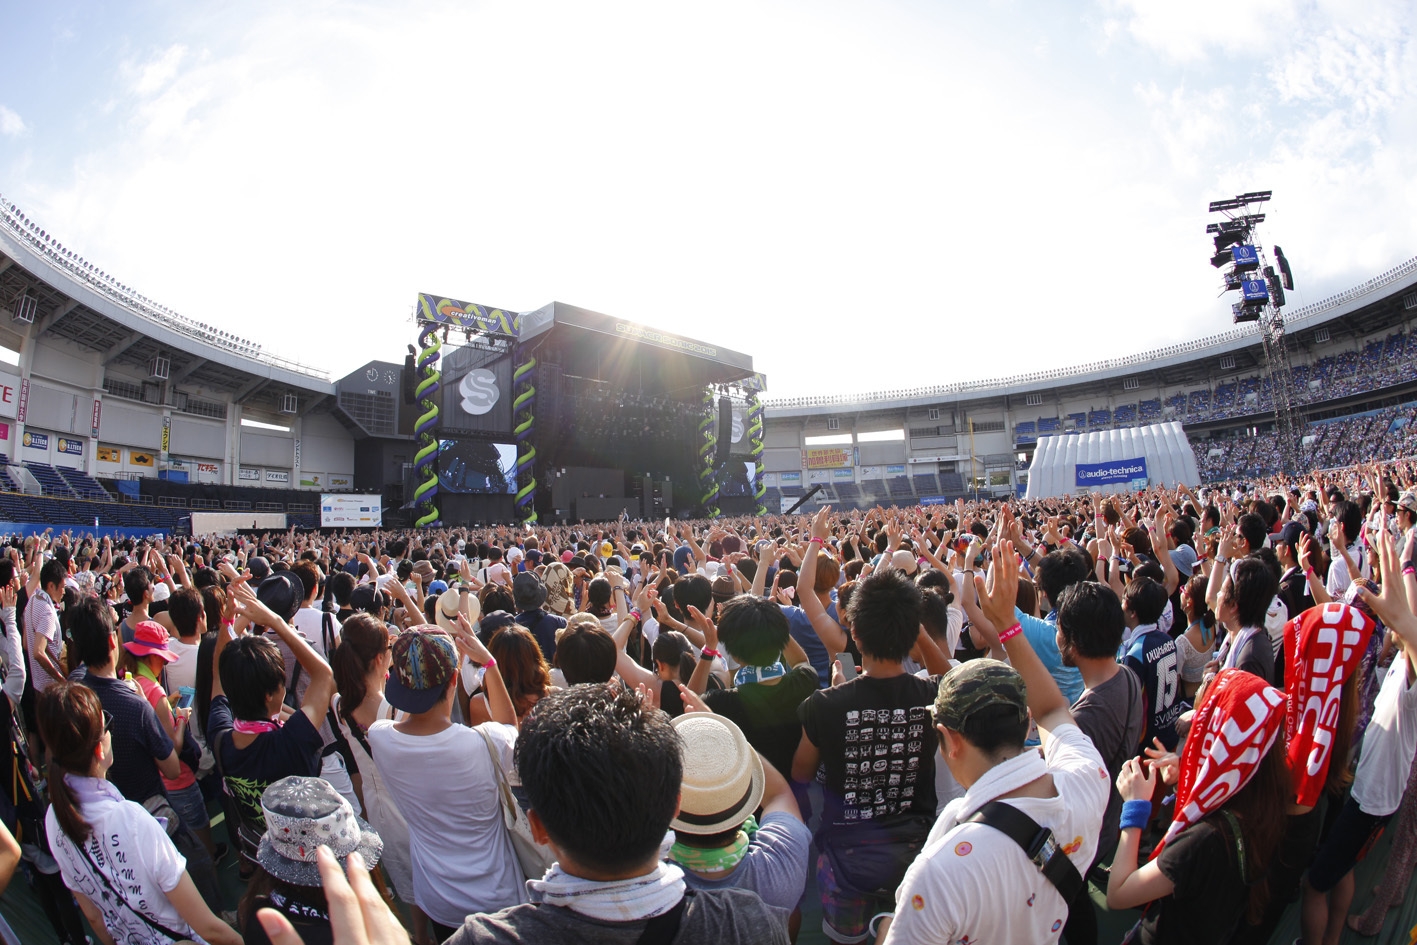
(976, 685)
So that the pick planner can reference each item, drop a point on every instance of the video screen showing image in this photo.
(477, 467)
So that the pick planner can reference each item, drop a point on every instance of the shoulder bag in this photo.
(534, 858)
(1038, 844)
(155, 925)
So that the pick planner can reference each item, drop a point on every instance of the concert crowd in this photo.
(1172, 715)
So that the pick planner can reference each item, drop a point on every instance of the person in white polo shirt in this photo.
(972, 881)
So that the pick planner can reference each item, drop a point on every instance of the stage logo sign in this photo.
(1117, 470)
(479, 391)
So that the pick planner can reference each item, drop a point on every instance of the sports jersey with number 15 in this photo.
(1152, 656)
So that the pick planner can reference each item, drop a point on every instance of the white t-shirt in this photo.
(183, 670)
(497, 573)
(1338, 576)
(971, 883)
(1388, 744)
(463, 861)
(134, 853)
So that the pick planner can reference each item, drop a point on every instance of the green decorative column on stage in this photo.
(425, 461)
(755, 444)
(524, 416)
(708, 449)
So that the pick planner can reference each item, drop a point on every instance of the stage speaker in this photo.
(725, 430)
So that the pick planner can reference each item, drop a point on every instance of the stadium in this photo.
(123, 415)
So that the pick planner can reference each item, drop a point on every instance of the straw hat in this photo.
(723, 775)
(445, 612)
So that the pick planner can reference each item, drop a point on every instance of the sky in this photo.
(861, 195)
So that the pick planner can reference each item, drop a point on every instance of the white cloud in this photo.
(11, 124)
(857, 200)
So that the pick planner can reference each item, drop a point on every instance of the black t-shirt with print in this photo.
(293, 749)
(877, 746)
(767, 713)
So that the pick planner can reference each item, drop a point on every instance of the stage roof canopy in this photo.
(612, 344)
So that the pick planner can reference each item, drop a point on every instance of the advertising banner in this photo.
(246, 474)
(832, 457)
(37, 441)
(1118, 470)
(870, 472)
(9, 395)
(208, 472)
(97, 416)
(4, 431)
(140, 458)
(790, 478)
(896, 470)
(71, 446)
(297, 453)
(819, 475)
(351, 511)
(311, 478)
(844, 475)
(341, 482)
(24, 401)
(934, 500)
(166, 433)
(277, 475)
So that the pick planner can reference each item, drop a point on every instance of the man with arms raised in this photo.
(972, 882)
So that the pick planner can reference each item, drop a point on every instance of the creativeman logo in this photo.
(479, 391)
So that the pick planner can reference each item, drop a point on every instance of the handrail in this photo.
(1108, 364)
(53, 253)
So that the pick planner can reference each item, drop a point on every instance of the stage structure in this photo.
(1261, 298)
(563, 413)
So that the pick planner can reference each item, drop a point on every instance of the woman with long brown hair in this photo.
(523, 668)
(130, 880)
(1209, 873)
(361, 664)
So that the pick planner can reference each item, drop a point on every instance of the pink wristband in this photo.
(1409, 570)
(820, 541)
(490, 664)
(1010, 633)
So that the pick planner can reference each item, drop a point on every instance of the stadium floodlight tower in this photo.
(1261, 298)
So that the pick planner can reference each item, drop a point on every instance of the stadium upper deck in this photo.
(1352, 353)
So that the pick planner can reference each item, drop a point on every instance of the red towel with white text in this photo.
(1324, 646)
(1234, 728)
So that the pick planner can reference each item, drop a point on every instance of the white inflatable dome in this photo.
(1111, 461)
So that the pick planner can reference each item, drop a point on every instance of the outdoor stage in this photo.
(563, 414)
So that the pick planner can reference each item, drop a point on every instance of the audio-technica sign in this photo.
(1118, 470)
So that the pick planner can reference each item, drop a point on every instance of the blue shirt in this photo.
(1043, 637)
(800, 626)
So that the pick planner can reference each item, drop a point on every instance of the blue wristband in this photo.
(1135, 814)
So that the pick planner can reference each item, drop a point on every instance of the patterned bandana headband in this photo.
(1234, 728)
(1325, 646)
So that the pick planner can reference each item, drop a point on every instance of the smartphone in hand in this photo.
(848, 666)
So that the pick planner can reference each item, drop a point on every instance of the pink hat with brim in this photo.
(150, 639)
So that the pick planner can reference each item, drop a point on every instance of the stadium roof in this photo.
(1365, 308)
(73, 303)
